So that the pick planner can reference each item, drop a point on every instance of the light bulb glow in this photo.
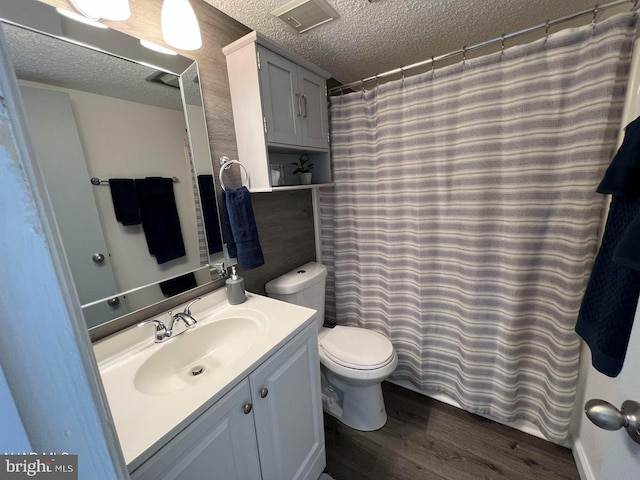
(103, 9)
(156, 48)
(180, 27)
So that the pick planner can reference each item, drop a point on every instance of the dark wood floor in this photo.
(427, 439)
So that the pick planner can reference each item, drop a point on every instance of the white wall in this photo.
(123, 139)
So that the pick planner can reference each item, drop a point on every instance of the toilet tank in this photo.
(303, 286)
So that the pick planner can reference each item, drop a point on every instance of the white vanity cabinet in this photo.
(220, 444)
(269, 426)
(280, 111)
(288, 411)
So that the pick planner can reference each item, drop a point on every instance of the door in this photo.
(281, 102)
(602, 454)
(219, 445)
(288, 411)
(314, 124)
(55, 139)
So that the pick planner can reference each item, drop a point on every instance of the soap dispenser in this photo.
(235, 288)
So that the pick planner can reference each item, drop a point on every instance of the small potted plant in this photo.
(303, 169)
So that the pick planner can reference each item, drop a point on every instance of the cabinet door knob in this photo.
(264, 392)
(98, 257)
(246, 408)
(113, 302)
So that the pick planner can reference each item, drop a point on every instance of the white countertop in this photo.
(145, 422)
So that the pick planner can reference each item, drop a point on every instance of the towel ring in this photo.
(226, 165)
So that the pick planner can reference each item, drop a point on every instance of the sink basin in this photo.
(193, 356)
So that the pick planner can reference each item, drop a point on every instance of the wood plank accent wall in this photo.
(285, 219)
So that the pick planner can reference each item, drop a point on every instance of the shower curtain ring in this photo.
(464, 54)
(502, 44)
(433, 65)
(595, 14)
(377, 82)
(546, 28)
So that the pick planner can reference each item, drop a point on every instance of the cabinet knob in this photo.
(113, 302)
(98, 257)
(264, 392)
(246, 408)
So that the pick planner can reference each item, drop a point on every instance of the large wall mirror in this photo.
(119, 133)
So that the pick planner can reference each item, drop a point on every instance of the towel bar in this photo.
(97, 181)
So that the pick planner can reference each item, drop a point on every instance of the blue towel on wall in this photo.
(160, 220)
(125, 202)
(243, 228)
(609, 304)
(210, 212)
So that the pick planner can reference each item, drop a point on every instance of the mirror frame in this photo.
(44, 19)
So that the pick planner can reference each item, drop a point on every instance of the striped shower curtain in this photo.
(464, 221)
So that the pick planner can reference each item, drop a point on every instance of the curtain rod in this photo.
(463, 51)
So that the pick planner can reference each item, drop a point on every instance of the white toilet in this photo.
(354, 361)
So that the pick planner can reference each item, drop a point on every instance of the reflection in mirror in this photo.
(137, 234)
(201, 156)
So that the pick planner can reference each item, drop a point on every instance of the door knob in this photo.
(608, 417)
(264, 392)
(98, 257)
(113, 302)
(246, 408)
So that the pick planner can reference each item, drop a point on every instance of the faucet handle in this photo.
(187, 309)
(161, 329)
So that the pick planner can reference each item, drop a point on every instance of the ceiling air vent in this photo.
(304, 15)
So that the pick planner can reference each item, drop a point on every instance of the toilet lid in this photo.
(357, 348)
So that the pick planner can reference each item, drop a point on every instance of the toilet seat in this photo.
(356, 348)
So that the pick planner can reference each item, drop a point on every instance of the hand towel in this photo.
(226, 230)
(177, 285)
(210, 212)
(160, 220)
(125, 202)
(243, 228)
(609, 304)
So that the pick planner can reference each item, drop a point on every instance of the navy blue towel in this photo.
(623, 175)
(243, 227)
(609, 304)
(226, 230)
(210, 212)
(627, 252)
(160, 220)
(125, 202)
(177, 285)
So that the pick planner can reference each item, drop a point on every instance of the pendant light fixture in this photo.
(103, 10)
(180, 27)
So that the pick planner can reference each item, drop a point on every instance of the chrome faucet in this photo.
(162, 333)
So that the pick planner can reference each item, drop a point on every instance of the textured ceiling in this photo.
(51, 61)
(371, 38)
